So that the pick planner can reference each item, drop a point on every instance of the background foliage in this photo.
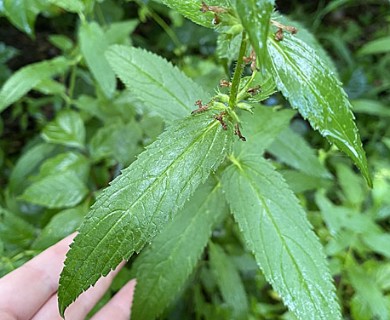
(55, 160)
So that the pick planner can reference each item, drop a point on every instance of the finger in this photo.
(119, 306)
(26, 289)
(81, 307)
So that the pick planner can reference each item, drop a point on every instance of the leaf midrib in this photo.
(152, 185)
(269, 214)
(155, 182)
(308, 83)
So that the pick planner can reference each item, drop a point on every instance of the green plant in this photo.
(168, 202)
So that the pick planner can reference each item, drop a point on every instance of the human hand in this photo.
(30, 292)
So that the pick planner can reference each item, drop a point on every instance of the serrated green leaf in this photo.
(306, 36)
(229, 282)
(28, 77)
(191, 9)
(69, 5)
(178, 247)
(93, 45)
(66, 129)
(60, 226)
(255, 16)
(162, 87)
(142, 200)
(290, 148)
(277, 231)
(314, 90)
(64, 189)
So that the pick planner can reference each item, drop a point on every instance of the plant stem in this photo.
(168, 30)
(237, 73)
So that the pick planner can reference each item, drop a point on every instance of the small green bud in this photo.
(245, 106)
(235, 29)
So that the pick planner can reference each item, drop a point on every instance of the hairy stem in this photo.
(237, 74)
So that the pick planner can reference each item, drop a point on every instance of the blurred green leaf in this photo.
(351, 185)
(62, 42)
(162, 87)
(93, 44)
(290, 148)
(277, 231)
(142, 200)
(117, 140)
(61, 225)
(313, 89)
(339, 218)
(378, 242)
(152, 126)
(64, 189)
(301, 182)
(7, 53)
(66, 129)
(178, 247)
(119, 32)
(377, 46)
(65, 162)
(368, 292)
(27, 164)
(28, 77)
(14, 231)
(22, 13)
(372, 107)
(229, 282)
(50, 87)
(261, 128)
(69, 5)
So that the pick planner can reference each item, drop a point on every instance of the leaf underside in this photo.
(142, 200)
(276, 230)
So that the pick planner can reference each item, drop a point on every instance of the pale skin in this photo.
(30, 292)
